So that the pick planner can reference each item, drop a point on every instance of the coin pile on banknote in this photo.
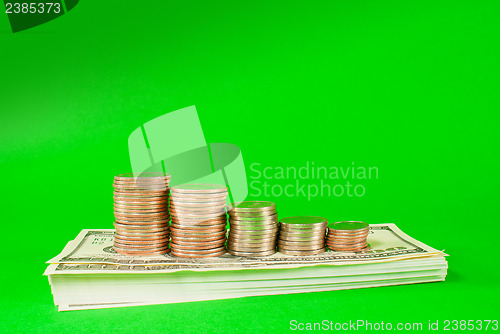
(302, 235)
(253, 228)
(348, 236)
(198, 220)
(141, 213)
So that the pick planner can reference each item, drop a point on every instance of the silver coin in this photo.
(291, 228)
(248, 228)
(250, 240)
(196, 188)
(249, 249)
(262, 215)
(243, 234)
(252, 206)
(301, 252)
(190, 205)
(304, 234)
(272, 218)
(304, 221)
(296, 237)
(252, 246)
(252, 254)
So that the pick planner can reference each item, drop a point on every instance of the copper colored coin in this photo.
(129, 248)
(152, 232)
(204, 229)
(141, 226)
(196, 233)
(346, 242)
(354, 250)
(198, 251)
(354, 246)
(141, 212)
(141, 236)
(196, 226)
(137, 223)
(143, 242)
(140, 199)
(198, 217)
(348, 234)
(199, 245)
(145, 188)
(191, 255)
(199, 221)
(191, 234)
(141, 253)
(140, 205)
(146, 245)
(137, 194)
(198, 241)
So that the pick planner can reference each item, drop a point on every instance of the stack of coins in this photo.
(198, 220)
(141, 213)
(302, 235)
(348, 236)
(253, 228)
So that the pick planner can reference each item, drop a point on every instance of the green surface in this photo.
(412, 88)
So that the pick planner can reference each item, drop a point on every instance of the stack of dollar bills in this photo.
(89, 274)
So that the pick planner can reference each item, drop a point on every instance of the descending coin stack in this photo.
(198, 220)
(302, 235)
(348, 236)
(141, 213)
(253, 228)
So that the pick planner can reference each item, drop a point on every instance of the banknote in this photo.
(68, 306)
(95, 247)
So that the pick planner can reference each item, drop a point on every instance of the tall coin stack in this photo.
(141, 213)
(198, 220)
(302, 235)
(348, 236)
(253, 228)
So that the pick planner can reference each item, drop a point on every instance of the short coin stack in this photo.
(253, 228)
(198, 220)
(302, 235)
(141, 213)
(348, 236)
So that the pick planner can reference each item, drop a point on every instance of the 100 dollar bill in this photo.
(387, 241)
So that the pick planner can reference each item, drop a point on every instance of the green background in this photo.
(409, 87)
